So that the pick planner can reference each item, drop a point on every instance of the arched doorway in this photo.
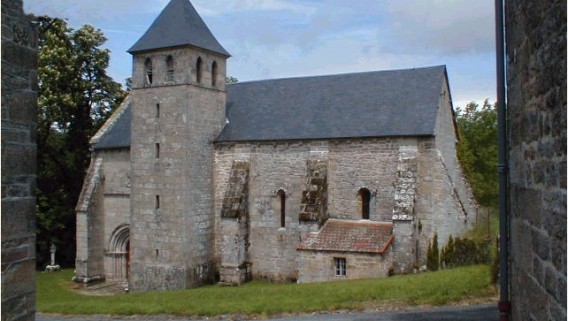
(118, 255)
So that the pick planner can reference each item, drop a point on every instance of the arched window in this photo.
(282, 202)
(199, 69)
(214, 74)
(148, 71)
(365, 201)
(170, 68)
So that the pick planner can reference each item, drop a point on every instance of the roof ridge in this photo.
(343, 74)
(359, 221)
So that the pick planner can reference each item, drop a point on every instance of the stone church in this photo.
(304, 179)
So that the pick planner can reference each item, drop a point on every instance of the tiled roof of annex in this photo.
(360, 236)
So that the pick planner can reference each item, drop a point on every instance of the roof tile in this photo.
(371, 104)
(361, 236)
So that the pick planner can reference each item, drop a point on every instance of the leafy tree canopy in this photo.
(477, 150)
(231, 80)
(75, 97)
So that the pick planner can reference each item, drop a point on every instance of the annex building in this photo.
(301, 179)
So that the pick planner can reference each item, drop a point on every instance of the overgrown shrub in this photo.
(447, 254)
(461, 252)
(433, 255)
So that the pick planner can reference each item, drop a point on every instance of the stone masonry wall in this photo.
(272, 250)
(320, 266)
(173, 126)
(19, 95)
(116, 207)
(447, 205)
(104, 205)
(446, 141)
(536, 102)
(352, 165)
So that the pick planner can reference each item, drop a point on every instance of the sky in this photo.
(293, 38)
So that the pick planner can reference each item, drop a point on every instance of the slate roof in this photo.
(361, 236)
(115, 133)
(179, 24)
(370, 104)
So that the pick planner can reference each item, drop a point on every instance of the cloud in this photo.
(442, 26)
(93, 12)
(290, 38)
(224, 7)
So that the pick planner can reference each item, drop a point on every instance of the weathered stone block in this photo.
(18, 217)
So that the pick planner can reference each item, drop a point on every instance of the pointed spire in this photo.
(179, 24)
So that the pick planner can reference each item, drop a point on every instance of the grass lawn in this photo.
(55, 295)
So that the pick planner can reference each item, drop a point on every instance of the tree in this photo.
(75, 97)
(477, 150)
(447, 255)
(231, 80)
(433, 254)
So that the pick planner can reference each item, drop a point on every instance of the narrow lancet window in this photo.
(214, 74)
(148, 71)
(365, 201)
(199, 69)
(282, 202)
(170, 69)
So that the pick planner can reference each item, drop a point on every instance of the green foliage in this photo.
(231, 80)
(477, 150)
(486, 224)
(464, 251)
(75, 97)
(447, 254)
(433, 254)
(494, 272)
(259, 298)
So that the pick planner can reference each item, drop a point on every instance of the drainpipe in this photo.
(504, 301)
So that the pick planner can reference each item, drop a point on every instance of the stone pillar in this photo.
(536, 94)
(19, 96)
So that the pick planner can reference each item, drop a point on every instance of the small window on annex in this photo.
(148, 71)
(282, 202)
(199, 69)
(364, 197)
(170, 68)
(340, 266)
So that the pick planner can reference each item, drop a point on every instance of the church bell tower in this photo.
(178, 108)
